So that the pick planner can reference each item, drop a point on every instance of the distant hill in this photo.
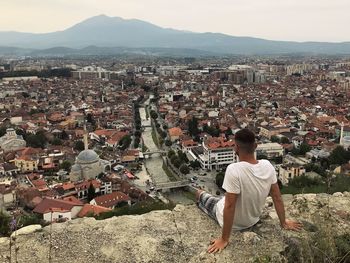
(114, 34)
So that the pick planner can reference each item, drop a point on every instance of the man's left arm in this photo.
(229, 213)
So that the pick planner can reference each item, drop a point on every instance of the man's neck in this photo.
(249, 158)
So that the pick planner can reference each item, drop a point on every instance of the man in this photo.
(247, 184)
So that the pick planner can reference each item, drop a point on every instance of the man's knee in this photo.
(198, 194)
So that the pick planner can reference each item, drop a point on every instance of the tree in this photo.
(284, 140)
(182, 156)
(274, 138)
(124, 142)
(153, 114)
(177, 163)
(168, 143)
(56, 141)
(64, 135)
(219, 179)
(171, 153)
(184, 169)
(4, 224)
(193, 127)
(137, 133)
(79, 146)
(37, 140)
(195, 164)
(91, 192)
(66, 165)
(304, 148)
(339, 156)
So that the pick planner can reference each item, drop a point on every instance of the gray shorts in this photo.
(207, 203)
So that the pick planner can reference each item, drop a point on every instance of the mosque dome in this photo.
(87, 156)
(76, 168)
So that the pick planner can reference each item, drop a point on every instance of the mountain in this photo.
(114, 34)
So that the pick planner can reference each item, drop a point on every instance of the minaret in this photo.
(341, 134)
(86, 145)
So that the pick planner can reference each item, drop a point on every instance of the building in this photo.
(56, 209)
(111, 200)
(214, 153)
(175, 133)
(270, 150)
(269, 131)
(11, 141)
(288, 172)
(88, 165)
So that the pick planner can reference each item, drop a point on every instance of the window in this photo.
(60, 216)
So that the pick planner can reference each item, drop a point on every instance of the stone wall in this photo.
(182, 235)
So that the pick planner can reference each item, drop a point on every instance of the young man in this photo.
(247, 184)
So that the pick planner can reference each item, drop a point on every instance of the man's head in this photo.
(245, 141)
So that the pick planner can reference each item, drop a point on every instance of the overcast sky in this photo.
(299, 20)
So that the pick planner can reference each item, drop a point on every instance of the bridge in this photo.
(153, 152)
(171, 185)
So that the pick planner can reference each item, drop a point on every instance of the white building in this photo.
(270, 150)
(288, 172)
(11, 141)
(214, 154)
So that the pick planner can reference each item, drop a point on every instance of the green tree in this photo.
(274, 138)
(56, 141)
(37, 140)
(79, 146)
(4, 224)
(91, 192)
(195, 164)
(219, 179)
(66, 165)
(304, 148)
(171, 153)
(177, 162)
(339, 156)
(193, 127)
(284, 140)
(2, 131)
(153, 114)
(124, 142)
(168, 143)
(184, 169)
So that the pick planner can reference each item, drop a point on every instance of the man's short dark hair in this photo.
(245, 138)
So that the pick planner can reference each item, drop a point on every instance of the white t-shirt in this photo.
(253, 183)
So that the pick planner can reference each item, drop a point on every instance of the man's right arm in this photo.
(279, 206)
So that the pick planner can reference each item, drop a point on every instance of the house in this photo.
(56, 209)
(92, 210)
(270, 150)
(175, 133)
(214, 153)
(8, 169)
(111, 200)
(288, 172)
(7, 194)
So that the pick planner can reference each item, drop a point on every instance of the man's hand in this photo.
(291, 225)
(217, 245)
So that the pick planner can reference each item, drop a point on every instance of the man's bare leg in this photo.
(198, 194)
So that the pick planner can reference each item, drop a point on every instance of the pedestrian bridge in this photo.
(149, 153)
(171, 185)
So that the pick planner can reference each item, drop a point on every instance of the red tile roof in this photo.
(47, 205)
(92, 209)
(110, 200)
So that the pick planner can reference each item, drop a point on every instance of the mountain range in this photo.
(113, 35)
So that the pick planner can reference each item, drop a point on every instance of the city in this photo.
(94, 135)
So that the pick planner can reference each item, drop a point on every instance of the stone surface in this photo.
(26, 230)
(180, 236)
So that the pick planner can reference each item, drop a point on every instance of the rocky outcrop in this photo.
(181, 235)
